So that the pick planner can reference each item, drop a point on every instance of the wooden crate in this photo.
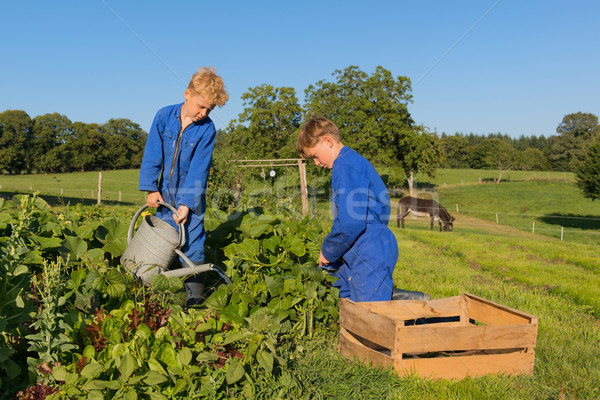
(448, 338)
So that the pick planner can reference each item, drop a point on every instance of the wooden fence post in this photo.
(99, 188)
(303, 188)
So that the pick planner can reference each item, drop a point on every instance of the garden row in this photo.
(75, 325)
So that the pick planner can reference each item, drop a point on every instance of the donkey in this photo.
(423, 208)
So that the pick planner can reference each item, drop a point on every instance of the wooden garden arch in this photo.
(283, 162)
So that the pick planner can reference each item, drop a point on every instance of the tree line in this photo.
(371, 111)
(51, 143)
(561, 152)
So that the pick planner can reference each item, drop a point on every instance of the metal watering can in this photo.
(154, 247)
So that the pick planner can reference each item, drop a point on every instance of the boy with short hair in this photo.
(177, 160)
(360, 242)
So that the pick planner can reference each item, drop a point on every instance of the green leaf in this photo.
(95, 395)
(127, 365)
(21, 269)
(12, 369)
(271, 243)
(92, 370)
(94, 281)
(185, 356)
(179, 386)
(59, 373)
(5, 353)
(131, 395)
(93, 254)
(206, 357)
(152, 378)
(295, 245)
(289, 286)
(112, 230)
(156, 396)
(116, 247)
(265, 360)
(250, 248)
(94, 385)
(73, 246)
(155, 365)
(89, 351)
(47, 242)
(235, 371)
(166, 353)
(32, 257)
(87, 231)
(218, 299)
(159, 282)
(116, 283)
(255, 230)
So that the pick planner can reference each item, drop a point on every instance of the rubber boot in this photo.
(194, 290)
(401, 294)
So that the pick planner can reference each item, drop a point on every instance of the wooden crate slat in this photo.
(430, 338)
(491, 313)
(350, 347)
(375, 327)
(413, 309)
(461, 367)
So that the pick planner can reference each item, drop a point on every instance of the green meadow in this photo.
(552, 273)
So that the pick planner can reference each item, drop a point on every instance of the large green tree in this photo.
(371, 112)
(124, 144)
(15, 137)
(86, 147)
(575, 133)
(456, 151)
(270, 118)
(533, 159)
(588, 172)
(50, 134)
(502, 156)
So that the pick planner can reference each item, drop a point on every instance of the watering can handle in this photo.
(141, 210)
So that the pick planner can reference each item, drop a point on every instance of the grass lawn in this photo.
(538, 273)
(542, 276)
(552, 208)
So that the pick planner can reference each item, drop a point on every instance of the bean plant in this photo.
(93, 331)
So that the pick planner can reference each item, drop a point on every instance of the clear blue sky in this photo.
(482, 66)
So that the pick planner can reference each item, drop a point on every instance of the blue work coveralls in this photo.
(360, 240)
(177, 164)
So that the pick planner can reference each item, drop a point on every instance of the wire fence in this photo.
(117, 191)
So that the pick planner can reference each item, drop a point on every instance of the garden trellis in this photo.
(282, 162)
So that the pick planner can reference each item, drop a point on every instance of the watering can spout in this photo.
(196, 269)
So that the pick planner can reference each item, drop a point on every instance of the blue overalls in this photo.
(360, 240)
(177, 164)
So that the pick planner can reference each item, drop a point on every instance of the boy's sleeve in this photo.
(152, 162)
(193, 192)
(351, 192)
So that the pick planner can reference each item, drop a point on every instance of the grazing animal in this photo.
(424, 208)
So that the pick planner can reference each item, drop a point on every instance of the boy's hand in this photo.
(153, 198)
(322, 259)
(183, 213)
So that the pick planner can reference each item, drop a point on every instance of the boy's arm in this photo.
(152, 161)
(194, 188)
(352, 198)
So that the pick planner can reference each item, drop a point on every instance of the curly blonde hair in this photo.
(205, 82)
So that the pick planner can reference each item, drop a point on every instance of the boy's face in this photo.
(323, 153)
(197, 107)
